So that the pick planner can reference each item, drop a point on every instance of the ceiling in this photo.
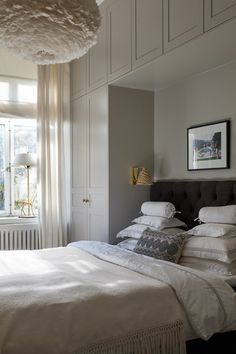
(214, 48)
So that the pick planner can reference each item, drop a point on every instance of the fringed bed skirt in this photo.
(166, 339)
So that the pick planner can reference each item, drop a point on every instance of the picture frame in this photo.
(208, 146)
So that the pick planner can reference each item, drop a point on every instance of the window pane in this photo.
(20, 188)
(27, 93)
(4, 91)
(2, 167)
(24, 137)
(24, 141)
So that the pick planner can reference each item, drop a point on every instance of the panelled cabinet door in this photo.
(119, 38)
(79, 225)
(183, 20)
(218, 11)
(79, 77)
(97, 55)
(98, 165)
(147, 31)
(79, 110)
(79, 142)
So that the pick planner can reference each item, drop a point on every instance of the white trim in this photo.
(17, 220)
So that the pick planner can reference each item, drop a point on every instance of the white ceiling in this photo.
(214, 48)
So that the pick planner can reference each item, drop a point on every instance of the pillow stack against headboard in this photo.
(156, 216)
(212, 245)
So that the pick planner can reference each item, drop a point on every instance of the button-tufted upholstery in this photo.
(190, 196)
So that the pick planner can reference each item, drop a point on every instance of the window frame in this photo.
(9, 174)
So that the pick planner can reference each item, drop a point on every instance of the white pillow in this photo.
(173, 231)
(159, 222)
(214, 230)
(219, 249)
(208, 265)
(128, 244)
(223, 214)
(135, 231)
(164, 209)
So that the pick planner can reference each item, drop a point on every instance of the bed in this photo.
(188, 197)
(90, 298)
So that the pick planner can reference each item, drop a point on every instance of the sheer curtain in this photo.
(54, 153)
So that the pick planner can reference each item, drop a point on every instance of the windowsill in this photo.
(17, 220)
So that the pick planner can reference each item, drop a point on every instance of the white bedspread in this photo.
(209, 302)
(66, 301)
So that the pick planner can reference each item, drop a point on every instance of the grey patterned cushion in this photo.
(160, 245)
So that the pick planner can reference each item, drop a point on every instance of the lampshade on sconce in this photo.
(144, 179)
(140, 176)
(48, 32)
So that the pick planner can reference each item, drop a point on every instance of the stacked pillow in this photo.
(155, 232)
(157, 244)
(212, 245)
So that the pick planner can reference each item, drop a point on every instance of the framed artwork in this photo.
(209, 146)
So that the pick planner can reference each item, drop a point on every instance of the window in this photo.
(4, 91)
(17, 135)
(27, 93)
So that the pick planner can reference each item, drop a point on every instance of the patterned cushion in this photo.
(160, 245)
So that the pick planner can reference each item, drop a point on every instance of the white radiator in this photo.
(19, 237)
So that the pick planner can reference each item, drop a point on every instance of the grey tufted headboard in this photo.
(190, 196)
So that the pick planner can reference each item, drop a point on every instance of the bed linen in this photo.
(136, 230)
(222, 214)
(164, 209)
(130, 243)
(66, 301)
(230, 279)
(218, 249)
(209, 265)
(213, 230)
(208, 301)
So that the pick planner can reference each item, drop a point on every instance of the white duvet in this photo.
(208, 301)
(66, 301)
(91, 295)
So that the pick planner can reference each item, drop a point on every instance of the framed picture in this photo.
(209, 146)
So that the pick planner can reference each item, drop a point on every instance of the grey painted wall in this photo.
(131, 120)
(208, 97)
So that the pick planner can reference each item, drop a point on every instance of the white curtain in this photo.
(54, 154)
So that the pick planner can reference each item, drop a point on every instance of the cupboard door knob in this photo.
(84, 200)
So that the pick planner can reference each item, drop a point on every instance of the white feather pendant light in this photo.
(48, 31)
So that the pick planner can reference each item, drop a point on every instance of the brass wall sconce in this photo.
(140, 176)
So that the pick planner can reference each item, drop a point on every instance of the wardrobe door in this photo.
(78, 77)
(183, 21)
(119, 38)
(79, 227)
(147, 31)
(98, 165)
(97, 55)
(218, 11)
